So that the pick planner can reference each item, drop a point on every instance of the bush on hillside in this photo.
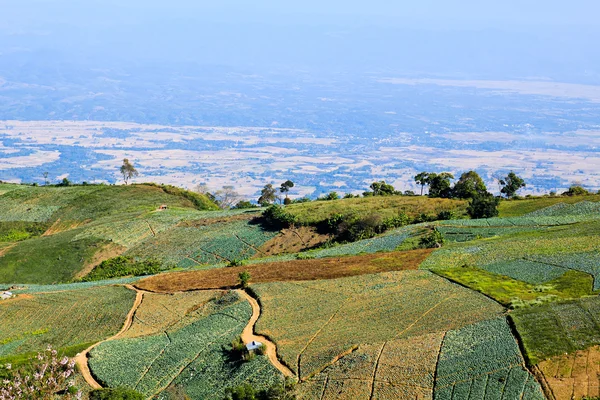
(278, 391)
(576, 190)
(433, 240)
(276, 217)
(115, 394)
(483, 206)
(123, 266)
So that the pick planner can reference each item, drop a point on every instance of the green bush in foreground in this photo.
(123, 266)
(116, 394)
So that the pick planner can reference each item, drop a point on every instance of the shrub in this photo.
(244, 279)
(483, 206)
(123, 266)
(434, 239)
(116, 394)
(236, 263)
(244, 204)
(276, 217)
(445, 215)
(576, 190)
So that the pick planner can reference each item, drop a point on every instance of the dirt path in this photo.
(82, 358)
(249, 336)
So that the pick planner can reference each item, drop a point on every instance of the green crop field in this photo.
(187, 351)
(517, 208)
(206, 244)
(554, 329)
(314, 322)
(483, 361)
(64, 319)
(537, 262)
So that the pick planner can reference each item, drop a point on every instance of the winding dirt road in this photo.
(81, 359)
(249, 336)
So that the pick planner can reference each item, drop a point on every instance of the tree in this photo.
(128, 170)
(422, 179)
(227, 197)
(329, 196)
(511, 184)
(45, 178)
(433, 240)
(244, 204)
(285, 187)
(244, 279)
(575, 190)
(382, 189)
(115, 394)
(268, 195)
(483, 206)
(64, 182)
(439, 185)
(469, 185)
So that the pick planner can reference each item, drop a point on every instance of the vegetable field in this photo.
(206, 244)
(553, 329)
(401, 369)
(184, 345)
(64, 319)
(483, 361)
(314, 322)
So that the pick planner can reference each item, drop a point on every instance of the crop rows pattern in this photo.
(386, 242)
(189, 353)
(62, 319)
(221, 242)
(401, 369)
(560, 328)
(483, 361)
(316, 321)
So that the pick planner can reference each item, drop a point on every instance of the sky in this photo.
(469, 38)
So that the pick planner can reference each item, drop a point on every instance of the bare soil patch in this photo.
(293, 240)
(297, 270)
(573, 376)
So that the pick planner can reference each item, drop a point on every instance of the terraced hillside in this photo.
(506, 309)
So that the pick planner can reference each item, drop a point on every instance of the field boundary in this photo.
(81, 359)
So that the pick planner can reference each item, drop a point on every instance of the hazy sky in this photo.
(471, 38)
(475, 12)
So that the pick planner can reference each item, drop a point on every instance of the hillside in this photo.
(507, 308)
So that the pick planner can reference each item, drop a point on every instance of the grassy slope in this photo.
(67, 212)
(386, 206)
(517, 208)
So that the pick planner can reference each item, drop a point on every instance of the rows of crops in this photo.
(468, 233)
(160, 312)
(483, 361)
(220, 242)
(32, 289)
(386, 242)
(559, 328)
(573, 247)
(62, 319)
(584, 208)
(314, 322)
(404, 370)
(188, 352)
